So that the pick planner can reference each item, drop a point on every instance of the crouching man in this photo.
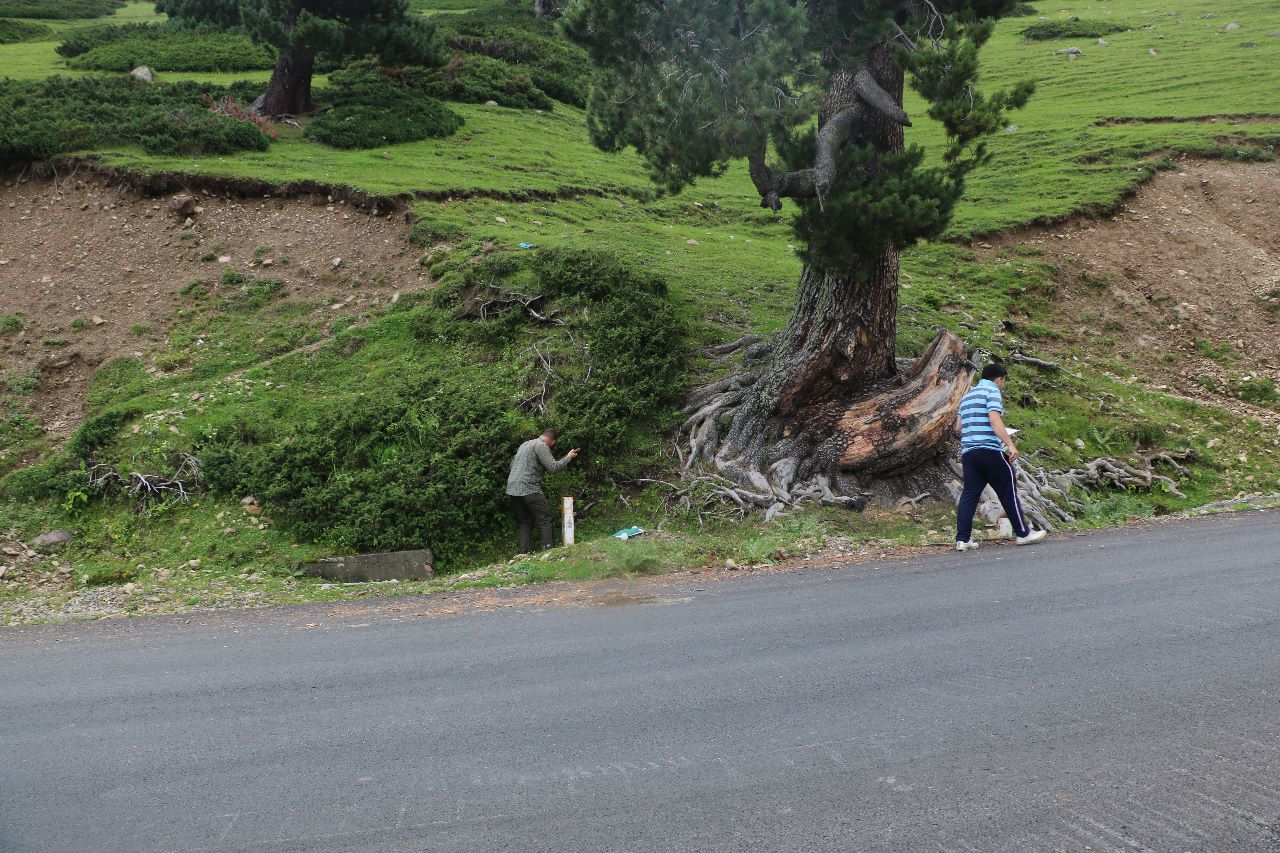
(524, 486)
(988, 455)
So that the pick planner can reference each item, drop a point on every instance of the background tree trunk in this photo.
(289, 91)
(543, 7)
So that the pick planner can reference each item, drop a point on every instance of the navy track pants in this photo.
(982, 468)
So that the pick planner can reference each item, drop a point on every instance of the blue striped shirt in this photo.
(975, 417)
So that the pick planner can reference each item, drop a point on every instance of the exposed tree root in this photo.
(897, 447)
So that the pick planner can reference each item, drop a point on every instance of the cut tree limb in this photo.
(908, 425)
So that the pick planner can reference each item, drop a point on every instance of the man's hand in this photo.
(571, 454)
(1012, 452)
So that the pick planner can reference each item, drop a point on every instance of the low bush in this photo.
(558, 68)
(52, 479)
(373, 108)
(84, 40)
(178, 50)
(64, 10)
(1023, 10)
(107, 575)
(188, 132)
(58, 115)
(427, 232)
(421, 462)
(472, 79)
(12, 32)
(1071, 28)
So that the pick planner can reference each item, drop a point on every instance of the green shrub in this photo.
(84, 40)
(560, 69)
(427, 232)
(1259, 389)
(116, 381)
(10, 325)
(108, 575)
(476, 79)
(65, 10)
(1023, 10)
(371, 108)
(99, 432)
(12, 32)
(394, 471)
(1071, 28)
(48, 480)
(178, 50)
(45, 118)
(422, 462)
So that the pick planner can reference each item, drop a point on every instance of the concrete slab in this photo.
(394, 565)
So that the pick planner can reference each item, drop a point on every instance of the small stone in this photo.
(224, 259)
(731, 565)
(143, 74)
(1230, 27)
(195, 564)
(335, 263)
(253, 510)
(1103, 42)
(692, 243)
(502, 219)
(129, 588)
(182, 205)
(97, 321)
(164, 574)
(490, 103)
(1152, 51)
(266, 262)
(249, 501)
(228, 531)
(1079, 442)
(52, 540)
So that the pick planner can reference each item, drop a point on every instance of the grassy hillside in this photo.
(1175, 81)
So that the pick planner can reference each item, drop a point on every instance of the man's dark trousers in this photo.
(982, 468)
(531, 508)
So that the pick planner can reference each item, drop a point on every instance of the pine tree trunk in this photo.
(827, 402)
(289, 92)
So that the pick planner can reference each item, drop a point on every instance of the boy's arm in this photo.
(997, 424)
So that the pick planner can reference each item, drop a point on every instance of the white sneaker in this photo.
(1031, 538)
(966, 546)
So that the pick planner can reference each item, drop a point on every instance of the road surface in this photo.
(1113, 691)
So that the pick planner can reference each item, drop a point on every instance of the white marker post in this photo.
(566, 508)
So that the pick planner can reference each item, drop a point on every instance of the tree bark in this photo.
(289, 92)
(543, 7)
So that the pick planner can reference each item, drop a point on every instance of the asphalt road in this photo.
(1114, 691)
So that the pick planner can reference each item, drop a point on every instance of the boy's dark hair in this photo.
(994, 371)
(551, 434)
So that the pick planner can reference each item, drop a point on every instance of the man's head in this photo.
(549, 437)
(996, 373)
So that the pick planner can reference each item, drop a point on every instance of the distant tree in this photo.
(544, 7)
(694, 84)
(303, 29)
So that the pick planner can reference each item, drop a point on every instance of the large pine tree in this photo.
(694, 84)
(301, 30)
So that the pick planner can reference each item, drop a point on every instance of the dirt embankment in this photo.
(1182, 285)
(94, 271)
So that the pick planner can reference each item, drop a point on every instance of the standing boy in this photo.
(988, 455)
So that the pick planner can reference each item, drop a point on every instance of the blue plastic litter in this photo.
(528, 245)
(628, 533)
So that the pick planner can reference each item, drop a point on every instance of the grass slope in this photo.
(509, 177)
